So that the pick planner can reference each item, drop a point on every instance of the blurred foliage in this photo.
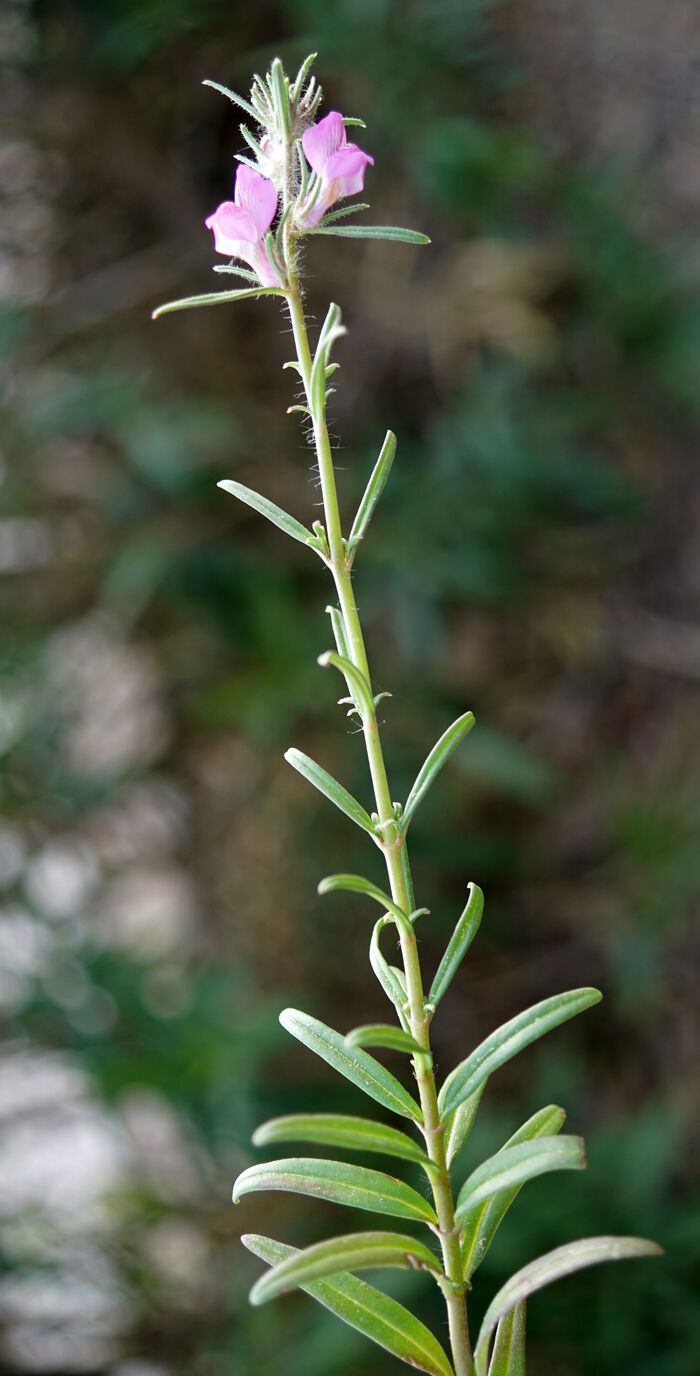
(535, 558)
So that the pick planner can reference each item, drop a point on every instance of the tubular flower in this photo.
(240, 225)
(339, 165)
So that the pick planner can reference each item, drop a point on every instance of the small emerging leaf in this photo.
(574, 1256)
(266, 508)
(237, 100)
(342, 214)
(365, 1308)
(438, 757)
(340, 1130)
(356, 681)
(389, 976)
(355, 1065)
(383, 1034)
(353, 1252)
(331, 789)
(214, 298)
(480, 1225)
(509, 1039)
(459, 943)
(509, 1348)
(512, 1166)
(372, 493)
(393, 232)
(460, 1123)
(339, 1182)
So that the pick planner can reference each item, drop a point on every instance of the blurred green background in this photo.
(535, 558)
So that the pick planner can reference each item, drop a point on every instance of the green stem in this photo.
(397, 866)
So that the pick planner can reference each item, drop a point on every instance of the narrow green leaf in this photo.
(231, 95)
(480, 1224)
(340, 1130)
(352, 1252)
(438, 757)
(301, 76)
(389, 977)
(334, 215)
(326, 784)
(372, 493)
(574, 1256)
(512, 1166)
(355, 1065)
(459, 943)
(269, 509)
(509, 1039)
(460, 1123)
(365, 1308)
(229, 270)
(383, 1034)
(331, 330)
(393, 232)
(509, 1348)
(214, 298)
(354, 883)
(356, 681)
(339, 1182)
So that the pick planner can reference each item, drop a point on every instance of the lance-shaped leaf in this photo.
(340, 1130)
(326, 784)
(512, 1166)
(480, 1224)
(356, 681)
(270, 510)
(362, 1306)
(393, 232)
(342, 214)
(509, 1039)
(331, 330)
(574, 1256)
(509, 1348)
(384, 1035)
(390, 978)
(460, 1123)
(438, 757)
(352, 1252)
(355, 883)
(237, 100)
(372, 493)
(214, 298)
(339, 1182)
(458, 945)
(355, 1065)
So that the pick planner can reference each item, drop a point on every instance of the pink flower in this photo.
(240, 225)
(339, 164)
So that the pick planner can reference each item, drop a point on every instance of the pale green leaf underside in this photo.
(388, 976)
(214, 298)
(352, 1252)
(339, 1183)
(480, 1224)
(269, 509)
(365, 1308)
(330, 788)
(354, 1064)
(393, 232)
(459, 943)
(436, 760)
(356, 883)
(509, 1348)
(340, 1130)
(509, 1039)
(574, 1256)
(512, 1166)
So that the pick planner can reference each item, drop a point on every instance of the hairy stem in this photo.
(396, 863)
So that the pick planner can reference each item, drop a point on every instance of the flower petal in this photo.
(348, 168)
(324, 139)
(231, 225)
(257, 197)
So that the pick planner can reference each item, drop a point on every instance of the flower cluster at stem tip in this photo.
(301, 166)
